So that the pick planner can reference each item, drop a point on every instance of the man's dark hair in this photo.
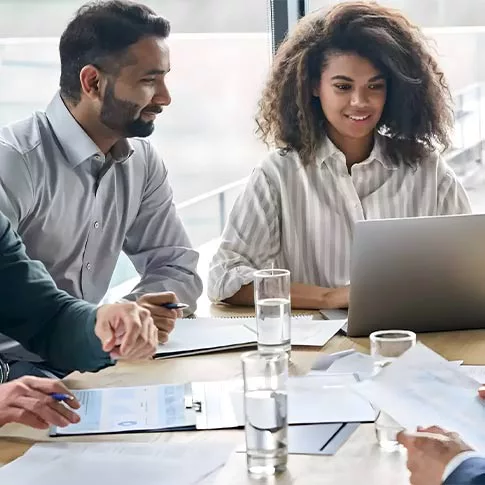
(99, 34)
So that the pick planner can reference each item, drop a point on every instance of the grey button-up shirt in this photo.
(76, 209)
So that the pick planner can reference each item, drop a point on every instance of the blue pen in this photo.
(175, 306)
(61, 397)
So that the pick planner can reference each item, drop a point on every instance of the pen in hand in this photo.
(174, 306)
(61, 397)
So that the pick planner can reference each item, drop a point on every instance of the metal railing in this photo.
(204, 218)
(221, 194)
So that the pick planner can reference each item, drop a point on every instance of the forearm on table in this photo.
(312, 297)
(303, 296)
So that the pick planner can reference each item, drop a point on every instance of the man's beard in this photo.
(119, 115)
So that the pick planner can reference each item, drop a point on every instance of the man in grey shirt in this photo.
(78, 182)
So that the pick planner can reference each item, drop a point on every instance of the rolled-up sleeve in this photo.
(157, 243)
(452, 197)
(250, 241)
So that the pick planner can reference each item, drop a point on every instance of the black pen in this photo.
(174, 306)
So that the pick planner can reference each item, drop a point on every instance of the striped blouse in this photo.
(302, 218)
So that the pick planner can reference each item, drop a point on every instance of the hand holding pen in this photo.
(164, 309)
(30, 401)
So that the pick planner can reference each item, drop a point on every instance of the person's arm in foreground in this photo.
(437, 456)
(69, 334)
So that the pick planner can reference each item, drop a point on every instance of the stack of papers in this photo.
(362, 365)
(345, 362)
(117, 463)
(202, 335)
(308, 332)
(311, 399)
(316, 439)
(421, 388)
(212, 405)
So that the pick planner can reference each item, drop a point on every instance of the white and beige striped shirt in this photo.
(302, 219)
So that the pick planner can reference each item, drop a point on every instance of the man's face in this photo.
(132, 101)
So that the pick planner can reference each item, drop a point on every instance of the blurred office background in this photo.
(220, 55)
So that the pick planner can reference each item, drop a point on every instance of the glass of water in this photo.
(273, 309)
(265, 411)
(385, 347)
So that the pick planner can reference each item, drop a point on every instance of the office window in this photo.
(457, 32)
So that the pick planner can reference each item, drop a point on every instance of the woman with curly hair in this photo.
(358, 111)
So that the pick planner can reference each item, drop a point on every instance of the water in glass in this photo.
(266, 431)
(386, 432)
(273, 316)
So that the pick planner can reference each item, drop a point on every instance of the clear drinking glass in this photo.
(265, 411)
(273, 309)
(386, 346)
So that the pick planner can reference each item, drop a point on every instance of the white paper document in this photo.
(118, 463)
(125, 409)
(324, 361)
(308, 332)
(326, 398)
(201, 335)
(476, 372)
(421, 388)
(361, 364)
(345, 362)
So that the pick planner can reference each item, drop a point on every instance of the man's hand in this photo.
(126, 331)
(429, 451)
(27, 401)
(163, 318)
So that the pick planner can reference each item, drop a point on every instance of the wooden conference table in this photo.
(359, 460)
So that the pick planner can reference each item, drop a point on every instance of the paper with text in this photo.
(124, 409)
(421, 388)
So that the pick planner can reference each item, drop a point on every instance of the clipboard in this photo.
(209, 405)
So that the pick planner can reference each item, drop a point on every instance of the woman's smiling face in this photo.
(352, 94)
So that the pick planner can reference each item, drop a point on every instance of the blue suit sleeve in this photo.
(470, 472)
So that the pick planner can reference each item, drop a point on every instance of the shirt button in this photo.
(97, 157)
(96, 224)
(88, 266)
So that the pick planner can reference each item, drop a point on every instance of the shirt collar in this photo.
(329, 152)
(76, 143)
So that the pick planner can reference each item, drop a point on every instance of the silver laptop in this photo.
(424, 274)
